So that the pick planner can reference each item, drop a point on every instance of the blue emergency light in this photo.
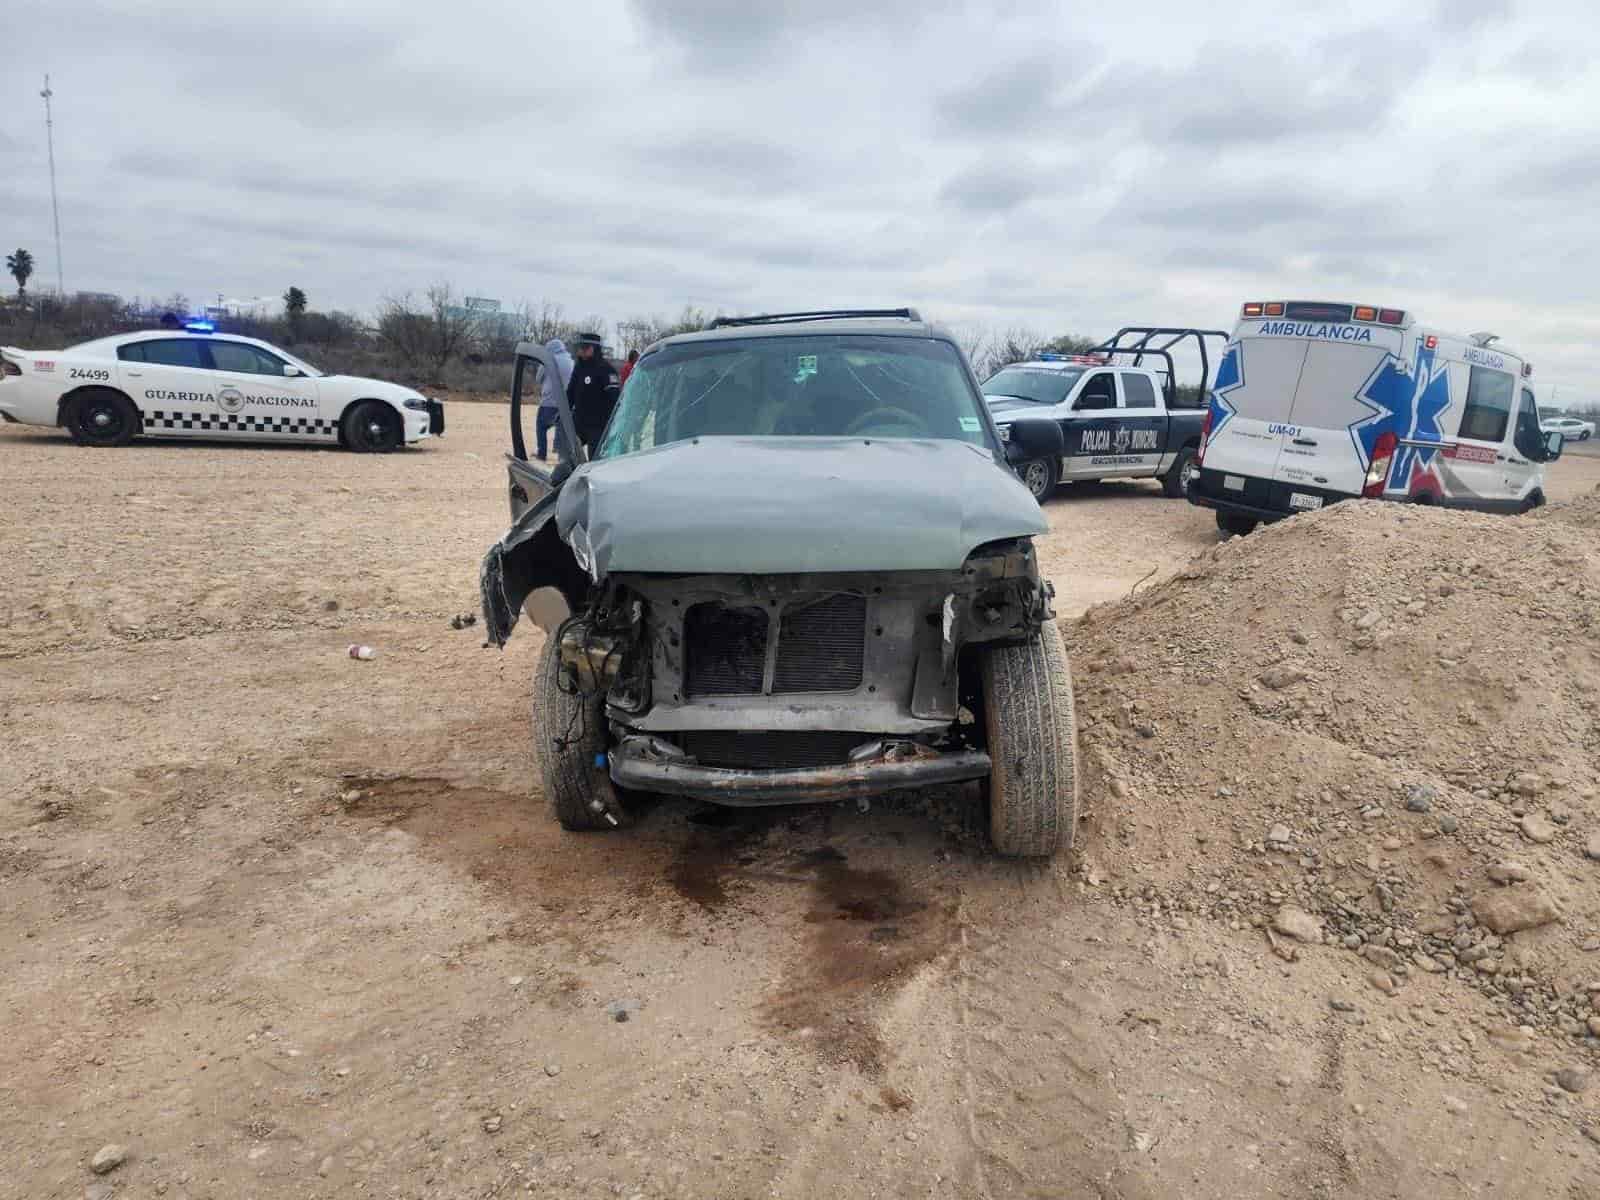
(1052, 358)
(200, 326)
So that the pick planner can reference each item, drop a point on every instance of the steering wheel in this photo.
(896, 416)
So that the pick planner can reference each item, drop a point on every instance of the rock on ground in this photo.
(1298, 924)
(1508, 910)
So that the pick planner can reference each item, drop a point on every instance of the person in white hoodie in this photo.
(549, 398)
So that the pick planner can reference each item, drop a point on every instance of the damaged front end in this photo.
(781, 689)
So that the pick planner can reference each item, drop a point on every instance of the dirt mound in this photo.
(1374, 726)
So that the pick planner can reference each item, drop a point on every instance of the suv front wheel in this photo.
(569, 744)
(1032, 737)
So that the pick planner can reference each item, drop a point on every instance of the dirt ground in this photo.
(286, 924)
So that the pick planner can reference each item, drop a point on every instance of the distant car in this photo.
(195, 383)
(1571, 428)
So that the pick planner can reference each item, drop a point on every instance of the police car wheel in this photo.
(1176, 481)
(1039, 477)
(569, 742)
(373, 428)
(99, 417)
(1031, 733)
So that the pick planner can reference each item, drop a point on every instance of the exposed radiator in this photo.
(821, 646)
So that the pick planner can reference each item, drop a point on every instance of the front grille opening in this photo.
(821, 645)
(725, 650)
(772, 751)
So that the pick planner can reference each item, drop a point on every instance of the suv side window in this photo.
(1099, 392)
(243, 359)
(1488, 409)
(166, 352)
(1137, 391)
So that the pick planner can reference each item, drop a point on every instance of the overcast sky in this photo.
(1062, 167)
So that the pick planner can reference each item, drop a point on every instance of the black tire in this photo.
(1232, 523)
(1040, 476)
(101, 417)
(1172, 481)
(1032, 735)
(372, 427)
(569, 731)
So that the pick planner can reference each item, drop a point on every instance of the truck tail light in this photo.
(1378, 471)
(1205, 436)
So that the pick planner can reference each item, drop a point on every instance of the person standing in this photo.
(550, 398)
(627, 367)
(593, 391)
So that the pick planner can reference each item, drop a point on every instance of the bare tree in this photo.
(548, 320)
(427, 336)
(454, 326)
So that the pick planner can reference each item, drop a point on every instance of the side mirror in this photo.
(1034, 437)
(291, 370)
(1552, 445)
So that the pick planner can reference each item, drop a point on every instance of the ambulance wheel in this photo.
(569, 735)
(1173, 482)
(101, 417)
(1031, 733)
(1039, 477)
(1232, 523)
(372, 427)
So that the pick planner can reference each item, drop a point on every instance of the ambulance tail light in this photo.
(1364, 313)
(1264, 308)
(1391, 316)
(1378, 471)
(1205, 436)
(8, 368)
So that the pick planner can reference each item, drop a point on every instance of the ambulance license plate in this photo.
(1234, 483)
(1301, 500)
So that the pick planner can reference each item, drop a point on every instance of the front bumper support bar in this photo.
(633, 767)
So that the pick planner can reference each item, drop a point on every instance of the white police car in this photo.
(196, 383)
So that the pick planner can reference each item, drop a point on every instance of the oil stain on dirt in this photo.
(715, 861)
(867, 931)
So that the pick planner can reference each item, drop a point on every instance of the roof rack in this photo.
(824, 314)
(1138, 345)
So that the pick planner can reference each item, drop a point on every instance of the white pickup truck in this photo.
(1119, 418)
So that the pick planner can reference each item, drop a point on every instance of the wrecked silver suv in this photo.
(797, 569)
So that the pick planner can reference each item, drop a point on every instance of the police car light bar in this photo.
(1095, 360)
(200, 326)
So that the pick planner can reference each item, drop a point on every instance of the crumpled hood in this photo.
(761, 506)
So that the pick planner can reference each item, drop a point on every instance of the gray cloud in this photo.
(1013, 163)
(988, 189)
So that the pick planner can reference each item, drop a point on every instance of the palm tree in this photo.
(20, 265)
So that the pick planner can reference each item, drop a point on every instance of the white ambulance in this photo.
(1316, 402)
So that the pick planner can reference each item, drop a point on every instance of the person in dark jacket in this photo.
(593, 391)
